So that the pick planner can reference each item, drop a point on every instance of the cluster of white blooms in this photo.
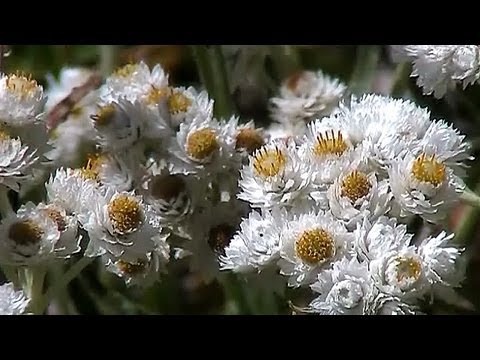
(439, 68)
(330, 208)
(140, 172)
(12, 302)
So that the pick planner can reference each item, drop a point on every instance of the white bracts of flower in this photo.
(73, 190)
(373, 239)
(134, 82)
(142, 270)
(120, 223)
(304, 96)
(67, 224)
(12, 302)
(21, 100)
(438, 68)
(447, 144)
(119, 125)
(244, 138)
(358, 194)
(276, 176)
(423, 185)
(310, 243)
(16, 161)
(344, 289)
(412, 272)
(119, 170)
(257, 244)
(27, 237)
(199, 147)
(379, 303)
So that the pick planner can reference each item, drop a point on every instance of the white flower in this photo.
(257, 244)
(16, 160)
(423, 185)
(275, 176)
(439, 68)
(121, 224)
(142, 270)
(379, 303)
(69, 241)
(343, 290)
(12, 302)
(306, 95)
(244, 138)
(134, 82)
(447, 144)
(358, 194)
(71, 189)
(27, 237)
(309, 244)
(119, 125)
(21, 100)
(198, 147)
(185, 104)
(374, 239)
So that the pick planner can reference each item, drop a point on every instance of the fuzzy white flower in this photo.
(12, 302)
(257, 244)
(374, 239)
(423, 185)
(16, 161)
(21, 100)
(199, 147)
(439, 68)
(244, 138)
(343, 290)
(275, 176)
(304, 96)
(309, 244)
(27, 237)
(143, 270)
(379, 303)
(71, 189)
(119, 125)
(358, 194)
(134, 82)
(121, 224)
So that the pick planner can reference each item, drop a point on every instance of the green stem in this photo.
(400, 79)
(71, 274)
(470, 198)
(467, 226)
(286, 60)
(213, 74)
(364, 72)
(35, 277)
(5, 206)
(108, 58)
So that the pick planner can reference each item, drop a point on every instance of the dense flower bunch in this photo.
(140, 173)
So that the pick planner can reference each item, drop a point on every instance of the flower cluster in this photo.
(439, 68)
(139, 172)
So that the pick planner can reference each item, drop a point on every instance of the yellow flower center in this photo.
(57, 217)
(249, 139)
(269, 162)
(428, 169)
(125, 214)
(92, 169)
(25, 232)
(355, 186)
(330, 144)
(408, 268)
(178, 103)
(167, 187)
(219, 238)
(155, 95)
(21, 85)
(104, 115)
(125, 71)
(130, 268)
(315, 246)
(202, 143)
